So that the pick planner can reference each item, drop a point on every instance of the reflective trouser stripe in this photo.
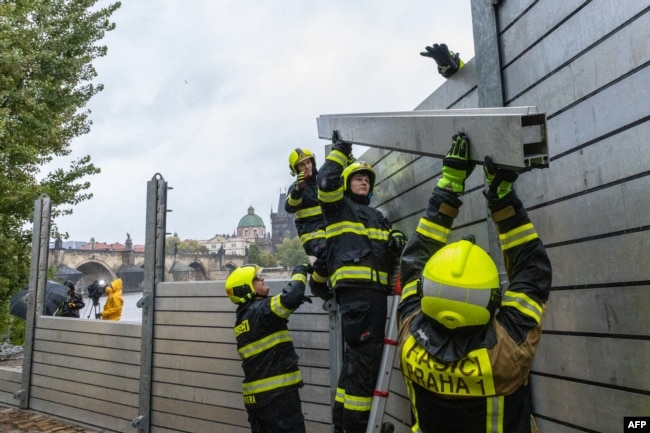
(271, 383)
(353, 402)
(494, 419)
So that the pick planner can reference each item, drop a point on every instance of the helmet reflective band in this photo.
(455, 307)
(460, 286)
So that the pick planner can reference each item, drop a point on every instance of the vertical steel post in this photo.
(37, 286)
(490, 89)
(154, 273)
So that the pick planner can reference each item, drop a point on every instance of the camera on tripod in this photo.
(96, 290)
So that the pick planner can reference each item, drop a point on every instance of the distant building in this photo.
(283, 224)
(250, 231)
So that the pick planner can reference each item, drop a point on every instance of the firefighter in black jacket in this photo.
(302, 200)
(361, 252)
(466, 348)
(270, 363)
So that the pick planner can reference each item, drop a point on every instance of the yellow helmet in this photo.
(297, 156)
(356, 167)
(239, 284)
(460, 286)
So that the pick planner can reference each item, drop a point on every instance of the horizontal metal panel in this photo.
(593, 22)
(89, 339)
(213, 350)
(186, 423)
(95, 353)
(608, 210)
(113, 367)
(195, 318)
(533, 26)
(117, 420)
(513, 136)
(609, 310)
(590, 407)
(509, 11)
(199, 363)
(548, 426)
(623, 103)
(108, 327)
(93, 375)
(622, 258)
(95, 394)
(589, 359)
(626, 49)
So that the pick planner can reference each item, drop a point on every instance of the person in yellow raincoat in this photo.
(114, 301)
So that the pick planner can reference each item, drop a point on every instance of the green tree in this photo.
(290, 253)
(254, 254)
(46, 52)
(174, 245)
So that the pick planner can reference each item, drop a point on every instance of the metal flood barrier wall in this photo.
(584, 63)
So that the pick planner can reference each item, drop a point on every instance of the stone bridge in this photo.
(85, 266)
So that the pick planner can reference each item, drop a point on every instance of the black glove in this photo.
(457, 165)
(498, 181)
(307, 299)
(396, 242)
(302, 269)
(448, 62)
(339, 144)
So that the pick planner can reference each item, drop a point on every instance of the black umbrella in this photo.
(55, 293)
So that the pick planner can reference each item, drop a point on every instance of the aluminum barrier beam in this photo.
(514, 136)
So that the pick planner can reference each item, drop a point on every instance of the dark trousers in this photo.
(282, 415)
(363, 323)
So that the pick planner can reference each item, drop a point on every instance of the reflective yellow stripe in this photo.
(318, 234)
(410, 289)
(308, 212)
(517, 236)
(299, 277)
(294, 201)
(358, 273)
(264, 344)
(330, 196)
(271, 383)
(356, 228)
(277, 307)
(433, 231)
(523, 303)
(356, 403)
(340, 395)
(494, 416)
(338, 157)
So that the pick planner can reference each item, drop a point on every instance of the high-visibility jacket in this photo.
(356, 233)
(269, 360)
(474, 381)
(309, 218)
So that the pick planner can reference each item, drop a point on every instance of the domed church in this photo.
(251, 226)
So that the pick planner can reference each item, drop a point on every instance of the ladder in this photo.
(380, 394)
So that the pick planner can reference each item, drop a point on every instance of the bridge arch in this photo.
(92, 270)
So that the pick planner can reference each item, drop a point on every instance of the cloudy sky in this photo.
(214, 94)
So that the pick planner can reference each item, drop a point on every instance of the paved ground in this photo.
(13, 420)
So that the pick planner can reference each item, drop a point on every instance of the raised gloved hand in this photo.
(457, 166)
(448, 62)
(300, 181)
(302, 269)
(498, 181)
(339, 144)
(396, 242)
